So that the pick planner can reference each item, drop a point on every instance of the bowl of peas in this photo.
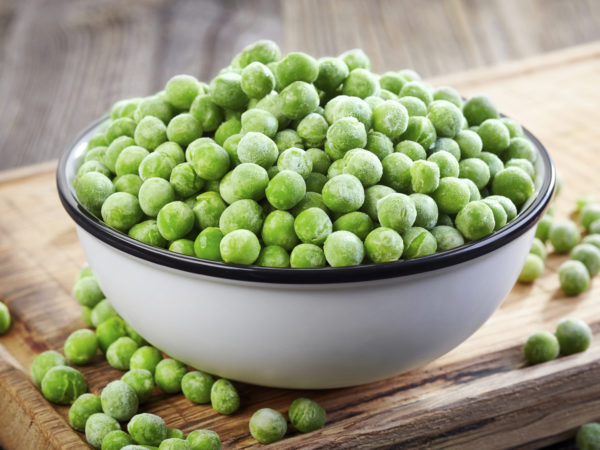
(305, 223)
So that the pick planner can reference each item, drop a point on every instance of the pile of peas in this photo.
(571, 336)
(145, 367)
(296, 162)
(565, 236)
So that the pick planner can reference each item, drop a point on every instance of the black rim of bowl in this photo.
(523, 222)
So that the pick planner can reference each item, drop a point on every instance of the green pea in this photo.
(224, 397)
(240, 247)
(147, 232)
(120, 351)
(478, 109)
(145, 357)
(297, 66)
(574, 336)
(92, 189)
(147, 429)
(475, 220)
(43, 363)
(119, 400)
(447, 237)
(343, 248)
(210, 160)
(306, 415)
(81, 346)
(204, 440)
(129, 183)
(168, 375)
(116, 440)
(207, 244)
(226, 91)
(574, 277)
(267, 426)
(532, 269)
(273, 256)
(541, 347)
(356, 222)
(184, 129)
(383, 245)
(82, 408)
(109, 331)
(87, 291)
(298, 99)
(207, 112)
(98, 426)
(121, 211)
(285, 189)
(63, 384)
(418, 242)
(175, 220)
(564, 236)
(181, 90)
(588, 436)
(196, 386)
(513, 183)
(141, 381)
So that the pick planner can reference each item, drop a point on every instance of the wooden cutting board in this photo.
(480, 395)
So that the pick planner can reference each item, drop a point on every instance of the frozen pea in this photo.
(119, 400)
(98, 426)
(538, 248)
(475, 220)
(494, 163)
(226, 130)
(207, 244)
(345, 106)
(92, 189)
(390, 118)
(343, 193)
(204, 440)
(257, 80)
(184, 129)
(479, 108)
(355, 58)
(147, 429)
(184, 180)
(224, 397)
(172, 150)
(564, 236)
(345, 134)
(447, 237)
(226, 91)
(248, 181)
(396, 211)
(365, 166)
(298, 100)
(589, 214)
(263, 51)
(475, 170)
(520, 148)
(523, 164)
(396, 172)
(81, 346)
(175, 433)
(307, 415)
(121, 211)
(196, 386)
(109, 331)
(593, 239)
(532, 269)
(445, 117)
(574, 336)
(427, 211)
(96, 154)
(150, 132)
(445, 219)
(412, 149)
(360, 83)
(319, 160)
(120, 351)
(82, 408)
(273, 256)
(574, 277)
(421, 130)
(541, 347)
(356, 222)
(336, 168)
(494, 136)
(137, 338)
(210, 160)
(306, 256)
(287, 139)
(312, 129)
(379, 144)
(116, 440)
(129, 183)
(130, 159)
(418, 242)
(259, 121)
(295, 159)
(181, 90)
(145, 357)
(310, 200)
(154, 107)
(297, 66)
(514, 128)
(168, 375)
(343, 248)
(44, 362)
(257, 148)
(451, 195)
(286, 189)
(372, 195)
(85, 271)
(312, 226)
(240, 247)
(414, 105)
(448, 94)
(448, 145)
(272, 103)
(242, 214)
(507, 204)
(93, 166)
(588, 436)
(208, 209)
(392, 81)
(278, 229)
(470, 143)
(589, 255)
(174, 444)
(267, 426)
(87, 292)
(141, 381)
(125, 108)
(208, 113)
(175, 220)
(147, 232)
(383, 245)
(500, 217)
(231, 145)
(120, 127)
(448, 165)
(332, 73)
(417, 89)
(513, 183)
(183, 247)
(98, 140)
(594, 227)
(63, 384)
(425, 176)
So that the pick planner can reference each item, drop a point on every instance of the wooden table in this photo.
(480, 395)
(64, 62)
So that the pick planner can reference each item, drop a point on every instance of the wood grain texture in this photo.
(64, 62)
(480, 395)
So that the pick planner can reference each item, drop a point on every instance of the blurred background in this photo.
(64, 62)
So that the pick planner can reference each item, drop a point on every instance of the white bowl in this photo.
(305, 328)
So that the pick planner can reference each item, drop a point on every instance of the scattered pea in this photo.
(306, 415)
(224, 397)
(63, 384)
(168, 375)
(541, 347)
(574, 336)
